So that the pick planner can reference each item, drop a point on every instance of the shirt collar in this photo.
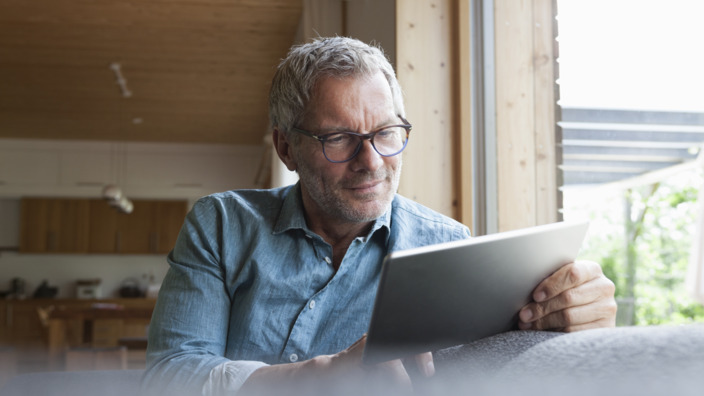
(291, 215)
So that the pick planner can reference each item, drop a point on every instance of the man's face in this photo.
(359, 190)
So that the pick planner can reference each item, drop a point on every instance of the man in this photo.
(279, 284)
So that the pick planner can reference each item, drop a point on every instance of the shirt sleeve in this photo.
(228, 377)
(189, 327)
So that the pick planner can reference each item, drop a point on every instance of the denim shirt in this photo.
(248, 280)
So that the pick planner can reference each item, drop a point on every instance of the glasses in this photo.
(343, 146)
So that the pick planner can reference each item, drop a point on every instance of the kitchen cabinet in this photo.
(54, 225)
(57, 225)
(152, 227)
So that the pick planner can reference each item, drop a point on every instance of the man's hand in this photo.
(576, 297)
(343, 367)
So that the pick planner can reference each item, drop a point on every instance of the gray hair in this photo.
(305, 64)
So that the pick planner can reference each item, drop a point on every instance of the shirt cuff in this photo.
(230, 376)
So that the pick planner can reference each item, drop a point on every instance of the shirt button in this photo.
(293, 358)
(327, 260)
(312, 304)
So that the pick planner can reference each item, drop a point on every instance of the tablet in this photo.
(453, 293)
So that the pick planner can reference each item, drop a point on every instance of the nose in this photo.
(367, 159)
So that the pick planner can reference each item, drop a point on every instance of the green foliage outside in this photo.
(655, 238)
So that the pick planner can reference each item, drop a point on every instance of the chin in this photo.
(366, 211)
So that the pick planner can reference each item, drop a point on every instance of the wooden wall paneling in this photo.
(515, 114)
(321, 18)
(525, 107)
(198, 71)
(425, 71)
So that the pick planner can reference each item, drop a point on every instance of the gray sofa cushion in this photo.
(653, 360)
(75, 383)
(620, 361)
(487, 356)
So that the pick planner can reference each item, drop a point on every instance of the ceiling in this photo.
(197, 71)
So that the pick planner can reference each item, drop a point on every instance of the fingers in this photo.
(350, 361)
(344, 367)
(565, 278)
(425, 364)
(576, 297)
(599, 313)
(354, 351)
(395, 372)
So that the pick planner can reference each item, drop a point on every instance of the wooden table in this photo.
(98, 327)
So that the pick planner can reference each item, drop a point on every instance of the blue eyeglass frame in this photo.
(363, 136)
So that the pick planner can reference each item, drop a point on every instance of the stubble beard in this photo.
(332, 201)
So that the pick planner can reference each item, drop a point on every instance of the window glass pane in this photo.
(631, 80)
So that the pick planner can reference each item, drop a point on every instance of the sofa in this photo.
(649, 360)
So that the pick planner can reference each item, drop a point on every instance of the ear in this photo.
(284, 149)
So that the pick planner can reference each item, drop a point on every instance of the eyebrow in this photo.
(346, 129)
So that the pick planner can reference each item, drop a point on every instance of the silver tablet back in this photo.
(453, 293)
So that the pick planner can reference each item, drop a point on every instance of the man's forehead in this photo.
(338, 101)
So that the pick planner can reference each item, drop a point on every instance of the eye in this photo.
(337, 139)
(387, 134)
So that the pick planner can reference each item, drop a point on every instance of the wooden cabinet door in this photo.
(152, 227)
(68, 225)
(115, 232)
(103, 228)
(170, 215)
(54, 225)
(136, 231)
(92, 226)
(34, 226)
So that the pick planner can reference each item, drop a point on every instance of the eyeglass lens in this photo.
(343, 146)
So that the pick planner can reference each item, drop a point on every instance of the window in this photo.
(631, 80)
